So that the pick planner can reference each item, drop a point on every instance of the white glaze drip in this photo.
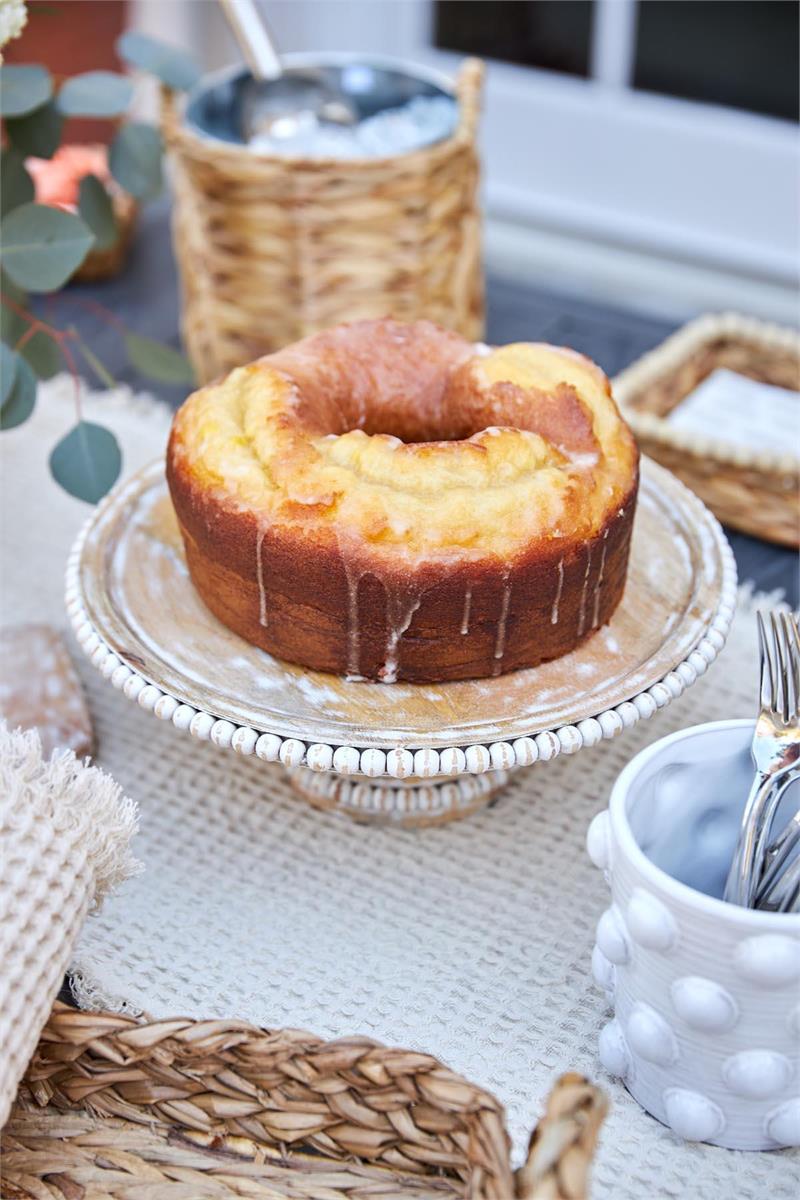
(559, 589)
(399, 615)
(500, 641)
(599, 584)
(262, 595)
(467, 607)
(582, 610)
(353, 628)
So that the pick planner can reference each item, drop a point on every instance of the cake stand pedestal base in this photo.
(410, 803)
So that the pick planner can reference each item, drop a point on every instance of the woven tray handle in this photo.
(228, 1086)
(469, 93)
(563, 1143)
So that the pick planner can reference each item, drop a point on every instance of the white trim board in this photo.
(628, 279)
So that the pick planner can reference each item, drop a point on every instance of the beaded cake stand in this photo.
(412, 754)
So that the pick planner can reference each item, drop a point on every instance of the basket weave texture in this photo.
(748, 490)
(271, 249)
(174, 1109)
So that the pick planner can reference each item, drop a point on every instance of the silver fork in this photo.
(775, 749)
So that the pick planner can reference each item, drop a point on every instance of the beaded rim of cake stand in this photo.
(402, 762)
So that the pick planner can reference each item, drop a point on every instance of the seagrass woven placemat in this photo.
(471, 941)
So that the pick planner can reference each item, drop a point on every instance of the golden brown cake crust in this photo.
(366, 596)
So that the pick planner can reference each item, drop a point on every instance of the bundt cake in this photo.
(389, 501)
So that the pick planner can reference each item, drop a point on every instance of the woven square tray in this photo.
(753, 492)
(180, 1110)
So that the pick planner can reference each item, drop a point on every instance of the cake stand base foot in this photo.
(409, 803)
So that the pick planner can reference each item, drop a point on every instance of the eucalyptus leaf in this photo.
(87, 462)
(135, 160)
(43, 246)
(10, 289)
(12, 325)
(172, 66)
(8, 372)
(19, 404)
(37, 134)
(95, 94)
(157, 361)
(42, 354)
(16, 185)
(100, 369)
(22, 89)
(95, 207)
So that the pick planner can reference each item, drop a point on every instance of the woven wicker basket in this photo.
(180, 1110)
(754, 492)
(270, 249)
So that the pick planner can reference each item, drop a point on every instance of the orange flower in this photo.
(56, 180)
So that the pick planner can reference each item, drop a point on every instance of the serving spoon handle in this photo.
(255, 41)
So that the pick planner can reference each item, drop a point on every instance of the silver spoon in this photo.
(279, 101)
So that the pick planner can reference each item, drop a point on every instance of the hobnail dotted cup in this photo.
(706, 995)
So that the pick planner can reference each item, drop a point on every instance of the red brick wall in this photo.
(68, 37)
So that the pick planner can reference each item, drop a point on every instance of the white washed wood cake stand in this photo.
(408, 753)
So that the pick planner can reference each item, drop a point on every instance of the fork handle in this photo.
(740, 884)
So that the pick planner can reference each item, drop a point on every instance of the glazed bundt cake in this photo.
(389, 501)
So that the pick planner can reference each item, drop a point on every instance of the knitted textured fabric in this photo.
(471, 941)
(64, 834)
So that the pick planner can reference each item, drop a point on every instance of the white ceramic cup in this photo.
(706, 995)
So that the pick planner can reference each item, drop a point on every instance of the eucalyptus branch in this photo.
(59, 336)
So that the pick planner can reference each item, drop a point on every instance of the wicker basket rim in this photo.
(466, 86)
(669, 354)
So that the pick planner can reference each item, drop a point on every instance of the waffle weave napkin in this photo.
(65, 829)
(471, 941)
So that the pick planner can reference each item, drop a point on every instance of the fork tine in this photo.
(780, 702)
(766, 685)
(791, 639)
(793, 625)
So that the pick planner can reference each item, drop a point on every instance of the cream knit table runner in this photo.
(471, 941)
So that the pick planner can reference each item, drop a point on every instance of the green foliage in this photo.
(10, 289)
(40, 351)
(96, 209)
(16, 185)
(22, 89)
(42, 354)
(172, 66)
(8, 371)
(157, 361)
(95, 94)
(43, 246)
(87, 462)
(100, 369)
(135, 160)
(18, 404)
(38, 133)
